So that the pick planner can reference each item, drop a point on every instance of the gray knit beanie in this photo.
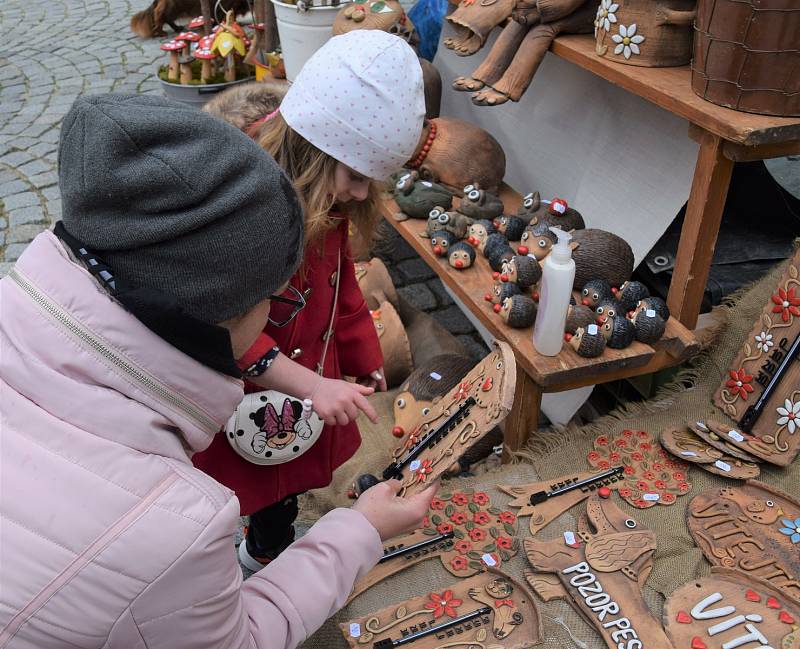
(177, 200)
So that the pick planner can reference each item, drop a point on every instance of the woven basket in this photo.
(747, 55)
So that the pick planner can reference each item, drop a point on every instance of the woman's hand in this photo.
(375, 380)
(391, 515)
(338, 402)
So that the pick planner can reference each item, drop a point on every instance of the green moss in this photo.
(243, 71)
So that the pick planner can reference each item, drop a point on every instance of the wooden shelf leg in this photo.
(712, 175)
(524, 416)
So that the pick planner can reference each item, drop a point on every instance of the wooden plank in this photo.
(550, 373)
(670, 88)
(524, 416)
(712, 177)
(742, 153)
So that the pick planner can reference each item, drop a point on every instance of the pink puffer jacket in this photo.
(108, 536)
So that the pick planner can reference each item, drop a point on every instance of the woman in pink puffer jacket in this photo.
(114, 372)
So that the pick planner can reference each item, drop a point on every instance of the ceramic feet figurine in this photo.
(473, 22)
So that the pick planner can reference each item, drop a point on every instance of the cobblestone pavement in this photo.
(52, 51)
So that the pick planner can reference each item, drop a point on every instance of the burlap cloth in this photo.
(553, 453)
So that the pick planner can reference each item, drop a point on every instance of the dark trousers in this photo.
(271, 527)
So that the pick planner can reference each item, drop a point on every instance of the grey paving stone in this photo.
(34, 167)
(44, 179)
(473, 346)
(439, 291)
(5, 267)
(415, 270)
(453, 320)
(13, 187)
(419, 296)
(402, 250)
(23, 199)
(25, 215)
(16, 158)
(23, 233)
(13, 251)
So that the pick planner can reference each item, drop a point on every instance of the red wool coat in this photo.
(353, 351)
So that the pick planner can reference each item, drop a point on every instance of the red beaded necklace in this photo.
(417, 162)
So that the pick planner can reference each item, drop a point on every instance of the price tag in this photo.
(570, 539)
(355, 630)
(436, 376)
(736, 435)
(651, 313)
(652, 498)
(688, 454)
(415, 465)
(488, 559)
(425, 183)
(592, 329)
(722, 465)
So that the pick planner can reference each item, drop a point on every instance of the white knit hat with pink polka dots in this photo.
(360, 99)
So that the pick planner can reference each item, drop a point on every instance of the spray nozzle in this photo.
(561, 250)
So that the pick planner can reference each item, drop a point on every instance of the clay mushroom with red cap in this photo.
(204, 54)
(196, 22)
(186, 58)
(173, 47)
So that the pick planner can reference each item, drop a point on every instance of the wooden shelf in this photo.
(670, 88)
(552, 374)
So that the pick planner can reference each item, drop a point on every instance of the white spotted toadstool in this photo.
(204, 54)
(173, 47)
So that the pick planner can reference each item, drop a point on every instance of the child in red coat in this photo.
(348, 120)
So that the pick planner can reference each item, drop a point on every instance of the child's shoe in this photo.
(254, 557)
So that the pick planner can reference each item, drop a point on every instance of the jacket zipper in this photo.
(149, 384)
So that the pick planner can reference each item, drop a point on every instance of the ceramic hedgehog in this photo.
(619, 332)
(522, 270)
(441, 242)
(518, 311)
(588, 341)
(500, 291)
(479, 231)
(536, 240)
(630, 294)
(416, 198)
(579, 315)
(511, 226)
(657, 304)
(529, 207)
(480, 204)
(462, 256)
(494, 241)
(608, 308)
(649, 325)
(499, 255)
(556, 213)
(595, 291)
(452, 221)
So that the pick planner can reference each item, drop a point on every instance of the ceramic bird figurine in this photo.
(524, 271)
(630, 293)
(416, 198)
(462, 256)
(511, 226)
(649, 325)
(595, 291)
(441, 242)
(588, 341)
(579, 315)
(618, 331)
(656, 304)
(480, 203)
(518, 311)
(452, 221)
(479, 231)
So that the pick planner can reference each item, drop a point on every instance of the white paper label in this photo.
(722, 465)
(436, 376)
(488, 559)
(569, 538)
(688, 454)
(651, 497)
(650, 313)
(735, 434)
(592, 329)
(425, 183)
(355, 630)
(701, 425)
(415, 465)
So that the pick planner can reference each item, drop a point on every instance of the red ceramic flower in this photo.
(458, 563)
(477, 534)
(641, 503)
(649, 475)
(642, 485)
(603, 465)
(645, 446)
(593, 456)
(622, 443)
(437, 503)
(662, 452)
(503, 542)
(684, 487)
(444, 603)
(642, 434)
(463, 390)
(480, 498)
(508, 517)
(463, 546)
(668, 498)
(637, 457)
(601, 441)
(424, 470)
(786, 303)
(628, 470)
(627, 433)
(660, 484)
(614, 457)
(460, 499)
(739, 383)
(658, 466)
(444, 528)
(459, 518)
(481, 518)
(426, 521)
(412, 440)
(625, 492)
(679, 476)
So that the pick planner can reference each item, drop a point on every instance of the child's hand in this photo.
(391, 515)
(338, 402)
(374, 380)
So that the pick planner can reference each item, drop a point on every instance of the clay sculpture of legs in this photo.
(497, 61)
(473, 21)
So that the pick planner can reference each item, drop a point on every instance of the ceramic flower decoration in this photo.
(791, 529)
(764, 341)
(606, 15)
(789, 416)
(627, 41)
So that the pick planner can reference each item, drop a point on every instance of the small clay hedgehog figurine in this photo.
(537, 240)
(558, 214)
(619, 332)
(530, 205)
(479, 231)
(649, 325)
(480, 203)
(630, 294)
(511, 226)
(416, 198)
(441, 242)
(579, 315)
(608, 308)
(518, 311)
(656, 304)
(494, 241)
(499, 256)
(588, 341)
(441, 219)
(500, 291)
(595, 291)
(462, 255)
(522, 270)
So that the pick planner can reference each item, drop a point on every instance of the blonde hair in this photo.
(312, 172)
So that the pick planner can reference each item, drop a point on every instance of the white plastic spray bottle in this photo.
(557, 278)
